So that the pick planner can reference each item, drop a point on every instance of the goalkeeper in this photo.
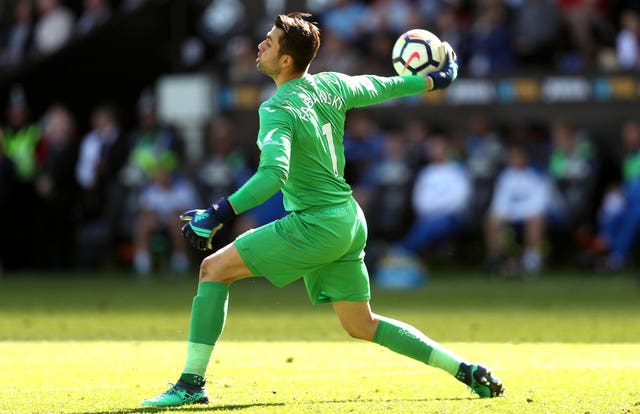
(322, 240)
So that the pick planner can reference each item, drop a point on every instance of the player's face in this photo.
(268, 60)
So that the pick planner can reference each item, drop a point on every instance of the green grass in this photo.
(83, 343)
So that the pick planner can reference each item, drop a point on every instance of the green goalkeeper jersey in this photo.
(301, 137)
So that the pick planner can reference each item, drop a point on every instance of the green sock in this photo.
(407, 340)
(208, 314)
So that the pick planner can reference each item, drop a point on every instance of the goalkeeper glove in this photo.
(202, 225)
(449, 72)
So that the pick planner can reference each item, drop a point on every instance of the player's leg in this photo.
(277, 251)
(534, 229)
(493, 235)
(358, 320)
(146, 224)
(208, 316)
(179, 257)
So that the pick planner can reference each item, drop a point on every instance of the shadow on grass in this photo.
(390, 400)
(231, 407)
(187, 409)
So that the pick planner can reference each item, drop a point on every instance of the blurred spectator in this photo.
(363, 143)
(619, 217)
(226, 167)
(223, 170)
(8, 210)
(376, 57)
(393, 16)
(440, 198)
(21, 136)
(240, 54)
(588, 38)
(345, 19)
(572, 169)
(131, 5)
(161, 202)
(17, 43)
(152, 145)
(334, 55)
(416, 131)
(449, 29)
(56, 188)
(484, 157)
(386, 195)
(151, 142)
(53, 28)
(536, 27)
(520, 199)
(432, 10)
(103, 152)
(628, 41)
(94, 14)
(534, 136)
(8, 180)
(20, 139)
(490, 40)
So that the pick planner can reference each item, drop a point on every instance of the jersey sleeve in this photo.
(365, 90)
(274, 142)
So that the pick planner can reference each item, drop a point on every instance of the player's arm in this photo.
(270, 177)
(368, 90)
(275, 144)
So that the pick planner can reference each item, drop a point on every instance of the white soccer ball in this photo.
(417, 52)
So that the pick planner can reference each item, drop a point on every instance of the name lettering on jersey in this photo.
(309, 100)
(321, 97)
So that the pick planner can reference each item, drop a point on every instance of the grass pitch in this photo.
(102, 343)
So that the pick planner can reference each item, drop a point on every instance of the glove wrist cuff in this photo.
(222, 210)
(440, 80)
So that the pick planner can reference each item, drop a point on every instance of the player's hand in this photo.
(449, 71)
(202, 225)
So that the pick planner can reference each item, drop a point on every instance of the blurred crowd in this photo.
(490, 36)
(103, 196)
(30, 29)
(111, 194)
(106, 196)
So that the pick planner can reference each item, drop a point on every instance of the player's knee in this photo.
(212, 270)
(364, 331)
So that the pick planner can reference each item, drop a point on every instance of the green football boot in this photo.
(179, 394)
(480, 380)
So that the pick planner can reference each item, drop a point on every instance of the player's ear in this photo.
(286, 62)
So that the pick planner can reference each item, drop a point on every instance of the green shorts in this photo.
(325, 246)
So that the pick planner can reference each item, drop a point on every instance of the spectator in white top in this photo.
(520, 199)
(161, 202)
(628, 41)
(54, 27)
(440, 197)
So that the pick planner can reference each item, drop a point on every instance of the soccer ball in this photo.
(417, 52)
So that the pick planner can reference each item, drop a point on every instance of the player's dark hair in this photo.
(301, 38)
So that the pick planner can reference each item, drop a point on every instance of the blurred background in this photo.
(117, 115)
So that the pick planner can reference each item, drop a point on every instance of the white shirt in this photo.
(53, 30)
(166, 202)
(520, 194)
(627, 50)
(90, 154)
(441, 188)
